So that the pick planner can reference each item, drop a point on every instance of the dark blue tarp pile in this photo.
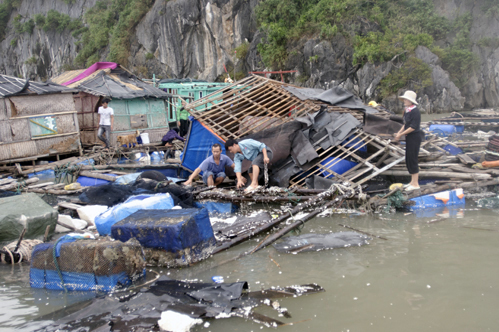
(171, 230)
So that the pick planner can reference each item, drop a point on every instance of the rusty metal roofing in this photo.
(114, 83)
(10, 86)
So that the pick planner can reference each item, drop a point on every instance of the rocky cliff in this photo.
(197, 38)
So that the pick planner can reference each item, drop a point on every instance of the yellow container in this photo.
(73, 186)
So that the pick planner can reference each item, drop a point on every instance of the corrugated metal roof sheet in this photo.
(114, 83)
(10, 86)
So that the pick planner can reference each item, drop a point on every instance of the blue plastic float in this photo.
(445, 130)
(441, 199)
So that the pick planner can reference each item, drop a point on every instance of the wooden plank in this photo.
(6, 181)
(98, 176)
(67, 205)
(425, 174)
(40, 185)
(465, 159)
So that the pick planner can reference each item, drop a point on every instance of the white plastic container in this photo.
(145, 138)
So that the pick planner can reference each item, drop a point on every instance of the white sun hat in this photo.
(410, 96)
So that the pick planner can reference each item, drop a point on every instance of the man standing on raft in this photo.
(257, 152)
(414, 136)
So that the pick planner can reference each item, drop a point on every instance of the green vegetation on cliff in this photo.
(378, 31)
(110, 25)
(6, 9)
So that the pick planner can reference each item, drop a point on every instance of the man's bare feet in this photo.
(251, 188)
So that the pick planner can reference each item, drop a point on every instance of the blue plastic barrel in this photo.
(444, 130)
(336, 166)
(357, 143)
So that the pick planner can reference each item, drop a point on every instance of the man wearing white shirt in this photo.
(106, 121)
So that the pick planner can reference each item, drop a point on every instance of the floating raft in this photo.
(170, 238)
(86, 265)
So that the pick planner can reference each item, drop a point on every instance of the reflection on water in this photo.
(434, 273)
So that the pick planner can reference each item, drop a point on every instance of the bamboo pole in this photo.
(98, 176)
(15, 185)
(424, 174)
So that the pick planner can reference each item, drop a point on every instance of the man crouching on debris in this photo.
(213, 167)
(257, 152)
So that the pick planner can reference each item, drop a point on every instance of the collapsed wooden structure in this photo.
(256, 103)
(253, 104)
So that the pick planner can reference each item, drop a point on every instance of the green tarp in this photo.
(25, 211)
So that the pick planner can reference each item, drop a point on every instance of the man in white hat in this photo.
(414, 136)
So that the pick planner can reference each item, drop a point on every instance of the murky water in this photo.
(430, 274)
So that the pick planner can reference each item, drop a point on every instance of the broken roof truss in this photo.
(250, 105)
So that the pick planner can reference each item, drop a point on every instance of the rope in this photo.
(66, 173)
(25, 249)
(57, 264)
(266, 174)
(19, 186)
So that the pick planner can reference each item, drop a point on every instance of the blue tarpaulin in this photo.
(104, 221)
(217, 207)
(198, 145)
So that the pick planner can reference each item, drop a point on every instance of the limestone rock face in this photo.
(443, 94)
(197, 38)
(49, 50)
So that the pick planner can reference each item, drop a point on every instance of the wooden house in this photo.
(36, 120)
(137, 105)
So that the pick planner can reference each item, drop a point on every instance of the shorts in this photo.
(258, 161)
(207, 174)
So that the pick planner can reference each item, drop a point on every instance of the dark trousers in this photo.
(412, 145)
(184, 127)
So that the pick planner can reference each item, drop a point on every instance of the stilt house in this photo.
(36, 120)
(137, 105)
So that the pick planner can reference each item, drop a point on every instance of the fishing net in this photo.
(112, 194)
(86, 264)
(153, 175)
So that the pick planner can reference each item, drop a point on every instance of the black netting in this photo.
(112, 194)
(153, 175)
(108, 194)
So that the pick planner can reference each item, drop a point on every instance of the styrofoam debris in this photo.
(76, 223)
(175, 322)
(89, 212)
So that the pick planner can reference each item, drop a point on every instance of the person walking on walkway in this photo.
(213, 167)
(106, 121)
(257, 152)
(414, 136)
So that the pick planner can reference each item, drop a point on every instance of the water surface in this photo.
(432, 274)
